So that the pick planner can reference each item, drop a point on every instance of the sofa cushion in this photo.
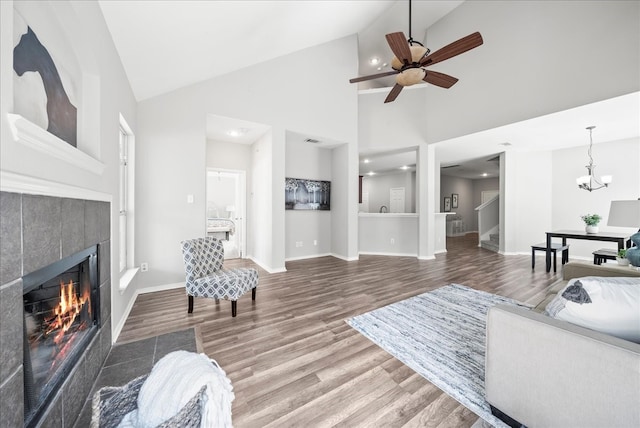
(614, 306)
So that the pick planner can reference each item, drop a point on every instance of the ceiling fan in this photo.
(411, 59)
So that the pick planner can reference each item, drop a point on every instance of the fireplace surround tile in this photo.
(96, 222)
(41, 231)
(105, 337)
(105, 300)
(72, 226)
(11, 332)
(104, 258)
(12, 409)
(53, 416)
(10, 231)
(74, 393)
(94, 359)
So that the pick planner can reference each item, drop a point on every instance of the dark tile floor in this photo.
(129, 360)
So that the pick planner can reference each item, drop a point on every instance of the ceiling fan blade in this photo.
(456, 48)
(399, 46)
(440, 79)
(373, 76)
(395, 91)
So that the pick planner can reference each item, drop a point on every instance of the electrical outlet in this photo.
(393, 241)
(144, 267)
(315, 242)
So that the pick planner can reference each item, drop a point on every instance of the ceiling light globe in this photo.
(410, 76)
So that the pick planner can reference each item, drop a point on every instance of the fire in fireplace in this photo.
(60, 317)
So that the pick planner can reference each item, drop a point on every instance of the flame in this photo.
(68, 309)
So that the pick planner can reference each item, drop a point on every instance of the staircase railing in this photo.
(488, 218)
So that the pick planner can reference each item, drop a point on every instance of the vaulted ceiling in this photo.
(166, 45)
(169, 44)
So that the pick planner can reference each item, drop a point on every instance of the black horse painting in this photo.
(31, 55)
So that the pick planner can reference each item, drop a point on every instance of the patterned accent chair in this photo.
(205, 277)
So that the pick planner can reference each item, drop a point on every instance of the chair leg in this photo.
(555, 261)
(190, 310)
(253, 293)
(234, 308)
(533, 259)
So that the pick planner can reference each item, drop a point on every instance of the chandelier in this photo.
(590, 182)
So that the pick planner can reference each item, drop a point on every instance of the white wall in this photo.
(229, 156)
(541, 193)
(538, 57)
(172, 139)
(261, 202)
(344, 202)
(105, 95)
(526, 200)
(304, 160)
(618, 158)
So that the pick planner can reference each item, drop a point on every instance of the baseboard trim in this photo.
(346, 259)
(310, 256)
(267, 268)
(375, 253)
(161, 288)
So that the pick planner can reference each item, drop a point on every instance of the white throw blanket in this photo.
(175, 380)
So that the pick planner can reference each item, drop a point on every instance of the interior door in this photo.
(226, 210)
(396, 197)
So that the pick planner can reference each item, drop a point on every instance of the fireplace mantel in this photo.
(34, 137)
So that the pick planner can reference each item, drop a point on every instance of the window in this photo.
(124, 175)
(126, 204)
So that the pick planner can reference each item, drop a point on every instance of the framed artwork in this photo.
(447, 204)
(454, 200)
(45, 93)
(303, 194)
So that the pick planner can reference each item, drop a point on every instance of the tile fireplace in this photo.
(55, 306)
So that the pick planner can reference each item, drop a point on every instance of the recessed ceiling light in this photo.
(374, 61)
(404, 167)
(484, 174)
(379, 68)
(371, 173)
(366, 161)
(238, 132)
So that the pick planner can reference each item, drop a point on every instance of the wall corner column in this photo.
(426, 200)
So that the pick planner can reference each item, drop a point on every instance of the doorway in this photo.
(226, 211)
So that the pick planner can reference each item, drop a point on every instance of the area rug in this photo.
(440, 335)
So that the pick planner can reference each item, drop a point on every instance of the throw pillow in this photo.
(614, 308)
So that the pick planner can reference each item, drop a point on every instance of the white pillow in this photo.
(614, 307)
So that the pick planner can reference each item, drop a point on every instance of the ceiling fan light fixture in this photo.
(410, 76)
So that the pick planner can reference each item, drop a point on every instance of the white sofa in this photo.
(543, 372)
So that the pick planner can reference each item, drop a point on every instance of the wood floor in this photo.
(294, 361)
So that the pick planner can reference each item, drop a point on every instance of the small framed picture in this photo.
(447, 204)
(454, 200)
